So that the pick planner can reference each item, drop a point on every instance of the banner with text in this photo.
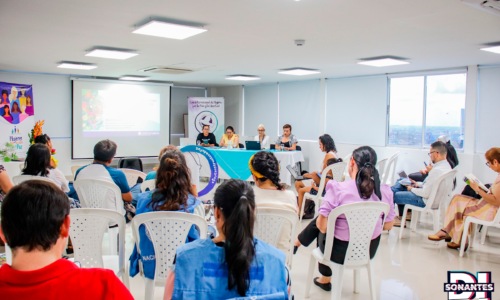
(17, 111)
(206, 111)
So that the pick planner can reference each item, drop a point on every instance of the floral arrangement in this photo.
(8, 152)
(36, 131)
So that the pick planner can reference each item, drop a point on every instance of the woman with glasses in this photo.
(262, 138)
(462, 207)
(230, 138)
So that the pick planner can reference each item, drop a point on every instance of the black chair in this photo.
(298, 148)
(130, 163)
(241, 146)
(272, 147)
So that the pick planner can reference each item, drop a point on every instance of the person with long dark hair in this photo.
(37, 163)
(230, 138)
(327, 146)
(269, 192)
(172, 193)
(234, 264)
(45, 139)
(365, 187)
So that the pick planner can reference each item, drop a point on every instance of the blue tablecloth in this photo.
(235, 162)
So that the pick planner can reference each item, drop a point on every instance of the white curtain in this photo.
(261, 107)
(488, 108)
(299, 106)
(356, 110)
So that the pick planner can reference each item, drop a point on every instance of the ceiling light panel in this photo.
(113, 54)
(242, 77)
(168, 30)
(383, 62)
(135, 78)
(494, 49)
(78, 66)
(299, 71)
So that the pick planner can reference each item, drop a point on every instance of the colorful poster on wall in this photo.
(206, 111)
(17, 115)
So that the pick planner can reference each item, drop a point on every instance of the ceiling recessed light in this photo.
(113, 54)
(134, 78)
(494, 49)
(383, 62)
(242, 77)
(76, 65)
(168, 30)
(299, 71)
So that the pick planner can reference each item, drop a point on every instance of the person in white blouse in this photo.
(38, 164)
(262, 137)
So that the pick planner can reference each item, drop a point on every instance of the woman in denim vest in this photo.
(234, 264)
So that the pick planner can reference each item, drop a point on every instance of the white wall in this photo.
(233, 106)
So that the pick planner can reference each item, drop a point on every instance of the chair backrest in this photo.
(167, 231)
(134, 163)
(241, 146)
(93, 193)
(74, 169)
(148, 184)
(20, 178)
(298, 148)
(390, 170)
(346, 160)
(380, 166)
(132, 176)
(337, 172)
(87, 229)
(362, 218)
(269, 224)
(21, 166)
(440, 189)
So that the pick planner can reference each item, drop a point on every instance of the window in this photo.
(440, 97)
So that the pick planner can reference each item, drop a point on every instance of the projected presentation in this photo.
(120, 113)
(136, 116)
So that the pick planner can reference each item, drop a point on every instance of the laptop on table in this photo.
(252, 145)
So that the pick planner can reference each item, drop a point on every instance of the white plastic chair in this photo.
(362, 218)
(8, 255)
(337, 172)
(148, 184)
(439, 193)
(87, 231)
(269, 224)
(21, 167)
(132, 176)
(93, 193)
(346, 171)
(74, 169)
(471, 221)
(380, 166)
(390, 170)
(168, 230)
(18, 179)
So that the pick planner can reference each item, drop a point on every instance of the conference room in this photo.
(284, 149)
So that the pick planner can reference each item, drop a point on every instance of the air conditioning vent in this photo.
(166, 70)
(491, 6)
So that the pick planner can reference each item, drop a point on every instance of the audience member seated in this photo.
(462, 207)
(35, 224)
(45, 139)
(418, 192)
(365, 187)
(451, 157)
(262, 138)
(269, 192)
(287, 140)
(234, 264)
(5, 186)
(327, 146)
(230, 138)
(104, 152)
(38, 164)
(172, 193)
(206, 138)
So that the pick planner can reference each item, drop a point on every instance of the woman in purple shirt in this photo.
(365, 187)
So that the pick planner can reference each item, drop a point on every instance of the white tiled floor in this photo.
(412, 268)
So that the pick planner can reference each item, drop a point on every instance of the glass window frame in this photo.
(424, 107)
